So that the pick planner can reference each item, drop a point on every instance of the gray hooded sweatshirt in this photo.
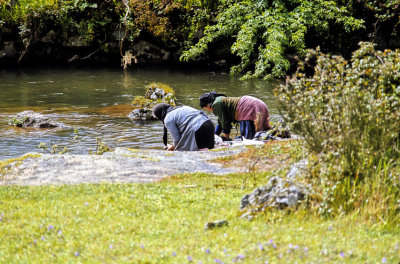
(182, 123)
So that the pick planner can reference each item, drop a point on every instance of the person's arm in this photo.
(218, 128)
(173, 131)
(225, 136)
(218, 110)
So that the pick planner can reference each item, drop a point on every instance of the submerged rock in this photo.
(32, 119)
(141, 114)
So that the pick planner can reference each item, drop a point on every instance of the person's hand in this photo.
(171, 148)
(225, 138)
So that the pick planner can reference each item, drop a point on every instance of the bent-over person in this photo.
(190, 129)
(251, 113)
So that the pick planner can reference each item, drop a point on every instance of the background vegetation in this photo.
(343, 99)
(349, 115)
(257, 38)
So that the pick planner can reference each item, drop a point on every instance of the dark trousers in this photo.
(205, 135)
(247, 129)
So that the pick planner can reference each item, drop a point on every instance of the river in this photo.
(78, 98)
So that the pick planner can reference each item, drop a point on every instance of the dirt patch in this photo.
(272, 155)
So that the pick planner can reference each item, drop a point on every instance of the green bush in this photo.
(265, 31)
(348, 113)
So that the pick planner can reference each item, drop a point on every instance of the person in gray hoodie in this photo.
(190, 129)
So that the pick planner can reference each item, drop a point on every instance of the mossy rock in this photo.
(141, 102)
(156, 93)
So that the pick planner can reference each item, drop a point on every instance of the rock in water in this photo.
(156, 93)
(32, 119)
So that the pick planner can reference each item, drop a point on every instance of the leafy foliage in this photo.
(264, 31)
(263, 35)
(349, 115)
(89, 22)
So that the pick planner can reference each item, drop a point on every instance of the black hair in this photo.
(160, 111)
(209, 98)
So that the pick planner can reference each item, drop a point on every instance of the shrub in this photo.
(265, 31)
(348, 113)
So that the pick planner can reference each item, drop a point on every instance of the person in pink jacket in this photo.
(250, 112)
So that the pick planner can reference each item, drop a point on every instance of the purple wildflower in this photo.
(42, 238)
(260, 246)
(1, 218)
(208, 250)
(76, 254)
(342, 254)
(173, 254)
(86, 203)
(306, 249)
(110, 246)
(240, 256)
(59, 232)
(384, 259)
(218, 261)
(330, 228)
(189, 258)
(50, 227)
(141, 246)
(35, 241)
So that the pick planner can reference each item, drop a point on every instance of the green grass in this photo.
(164, 223)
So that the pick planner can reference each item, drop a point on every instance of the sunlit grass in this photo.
(164, 223)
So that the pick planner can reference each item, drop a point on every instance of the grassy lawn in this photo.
(164, 222)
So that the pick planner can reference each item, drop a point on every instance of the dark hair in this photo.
(160, 111)
(209, 98)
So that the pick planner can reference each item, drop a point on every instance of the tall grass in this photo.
(349, 114)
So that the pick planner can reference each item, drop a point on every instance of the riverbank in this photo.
(164, 222)
(123, 165)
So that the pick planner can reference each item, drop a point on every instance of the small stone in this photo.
(212, 225)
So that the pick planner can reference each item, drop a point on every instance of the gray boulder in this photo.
(156, 93)
(279, 193)
(141, 114)
(32, 119)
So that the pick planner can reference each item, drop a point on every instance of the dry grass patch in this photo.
(270, 156)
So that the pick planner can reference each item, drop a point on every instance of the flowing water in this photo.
(93, 104)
